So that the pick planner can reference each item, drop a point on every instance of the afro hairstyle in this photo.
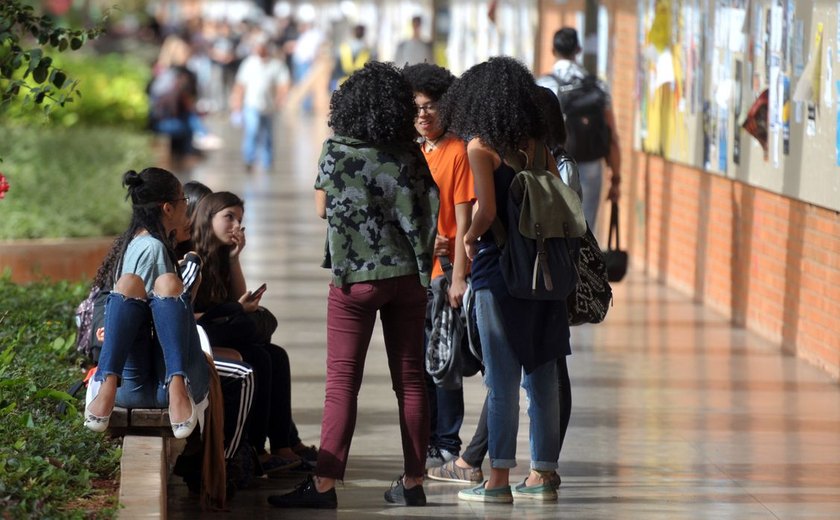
(429, 79)
(375, 105)
(495, 101)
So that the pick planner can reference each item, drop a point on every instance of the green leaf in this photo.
(34, 58)
(62, 45)
(76, 44)
(56, 395)
(40, 74)
(58, 78)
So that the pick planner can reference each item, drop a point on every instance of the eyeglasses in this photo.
(185, 199)
(429, 108)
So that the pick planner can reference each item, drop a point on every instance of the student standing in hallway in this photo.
(496, 104)
(380, 202)
(446, 155)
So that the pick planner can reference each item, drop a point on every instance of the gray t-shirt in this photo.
(146, 257)
(261, 78)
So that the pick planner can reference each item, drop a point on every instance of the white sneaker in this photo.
(436, 457)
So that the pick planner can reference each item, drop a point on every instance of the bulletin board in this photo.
(745, 89)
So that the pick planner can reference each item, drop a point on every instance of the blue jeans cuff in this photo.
(502, 463)
(537, 465)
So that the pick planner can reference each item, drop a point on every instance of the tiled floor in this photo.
(676, 414)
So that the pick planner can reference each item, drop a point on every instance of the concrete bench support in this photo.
(143, 476)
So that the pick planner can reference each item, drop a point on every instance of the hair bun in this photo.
(131, 179)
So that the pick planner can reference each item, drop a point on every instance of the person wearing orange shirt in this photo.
(446, 155)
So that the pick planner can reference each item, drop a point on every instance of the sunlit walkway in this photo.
(676, 414)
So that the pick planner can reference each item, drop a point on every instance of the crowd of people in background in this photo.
(450, 147)
(249, 69)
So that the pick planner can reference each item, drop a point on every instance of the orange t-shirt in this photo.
(451, 171)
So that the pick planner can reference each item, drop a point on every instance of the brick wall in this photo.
(58, 259)
(770, 263)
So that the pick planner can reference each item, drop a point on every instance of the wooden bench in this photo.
(144, 465)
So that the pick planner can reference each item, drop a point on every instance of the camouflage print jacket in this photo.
(382, 207)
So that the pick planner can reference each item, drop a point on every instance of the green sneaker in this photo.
(499, 495)
(544, 492)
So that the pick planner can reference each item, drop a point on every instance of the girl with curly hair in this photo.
(494, 105)
(380, 202)
(446, 154)
(151, 356)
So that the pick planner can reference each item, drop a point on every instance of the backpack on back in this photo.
(90, 316)
(588, 136)
(544, 222)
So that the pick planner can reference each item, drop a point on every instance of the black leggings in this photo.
(477, 449)
(271, 411)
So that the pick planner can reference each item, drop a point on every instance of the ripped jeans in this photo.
(144, 362)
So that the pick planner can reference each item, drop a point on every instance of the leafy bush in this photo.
(112, 92)
(68, 183)
(49, 463)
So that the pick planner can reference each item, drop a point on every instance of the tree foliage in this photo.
(24, 38)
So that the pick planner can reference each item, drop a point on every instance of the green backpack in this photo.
(539, 235)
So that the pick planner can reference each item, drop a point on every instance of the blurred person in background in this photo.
(415, 49)
(259, 91)
(351, 56)
(565, 74)
(173, 95)
(306, 49)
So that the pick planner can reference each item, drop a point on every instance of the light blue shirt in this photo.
(146, 257)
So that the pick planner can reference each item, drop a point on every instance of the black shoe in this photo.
(401, 496)
(309, 453)
(306, 495)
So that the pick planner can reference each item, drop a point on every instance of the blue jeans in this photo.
(502, 376)
(146, 364)
(591, 182)
(186, 126)
(258, 137)
(446, 412)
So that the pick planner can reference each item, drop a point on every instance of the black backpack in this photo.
(588, 136)
(540, 239)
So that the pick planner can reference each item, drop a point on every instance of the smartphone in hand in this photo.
(257, 292)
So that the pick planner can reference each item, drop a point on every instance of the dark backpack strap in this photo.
(446, 265)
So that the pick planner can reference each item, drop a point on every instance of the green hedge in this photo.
(68, 182)
(113, 93)
(49, 463)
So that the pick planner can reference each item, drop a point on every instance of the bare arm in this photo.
(321, 203)
(483, 162)
(463, 217)
(614, 158)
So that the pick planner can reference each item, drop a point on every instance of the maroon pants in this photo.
(351, 315)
